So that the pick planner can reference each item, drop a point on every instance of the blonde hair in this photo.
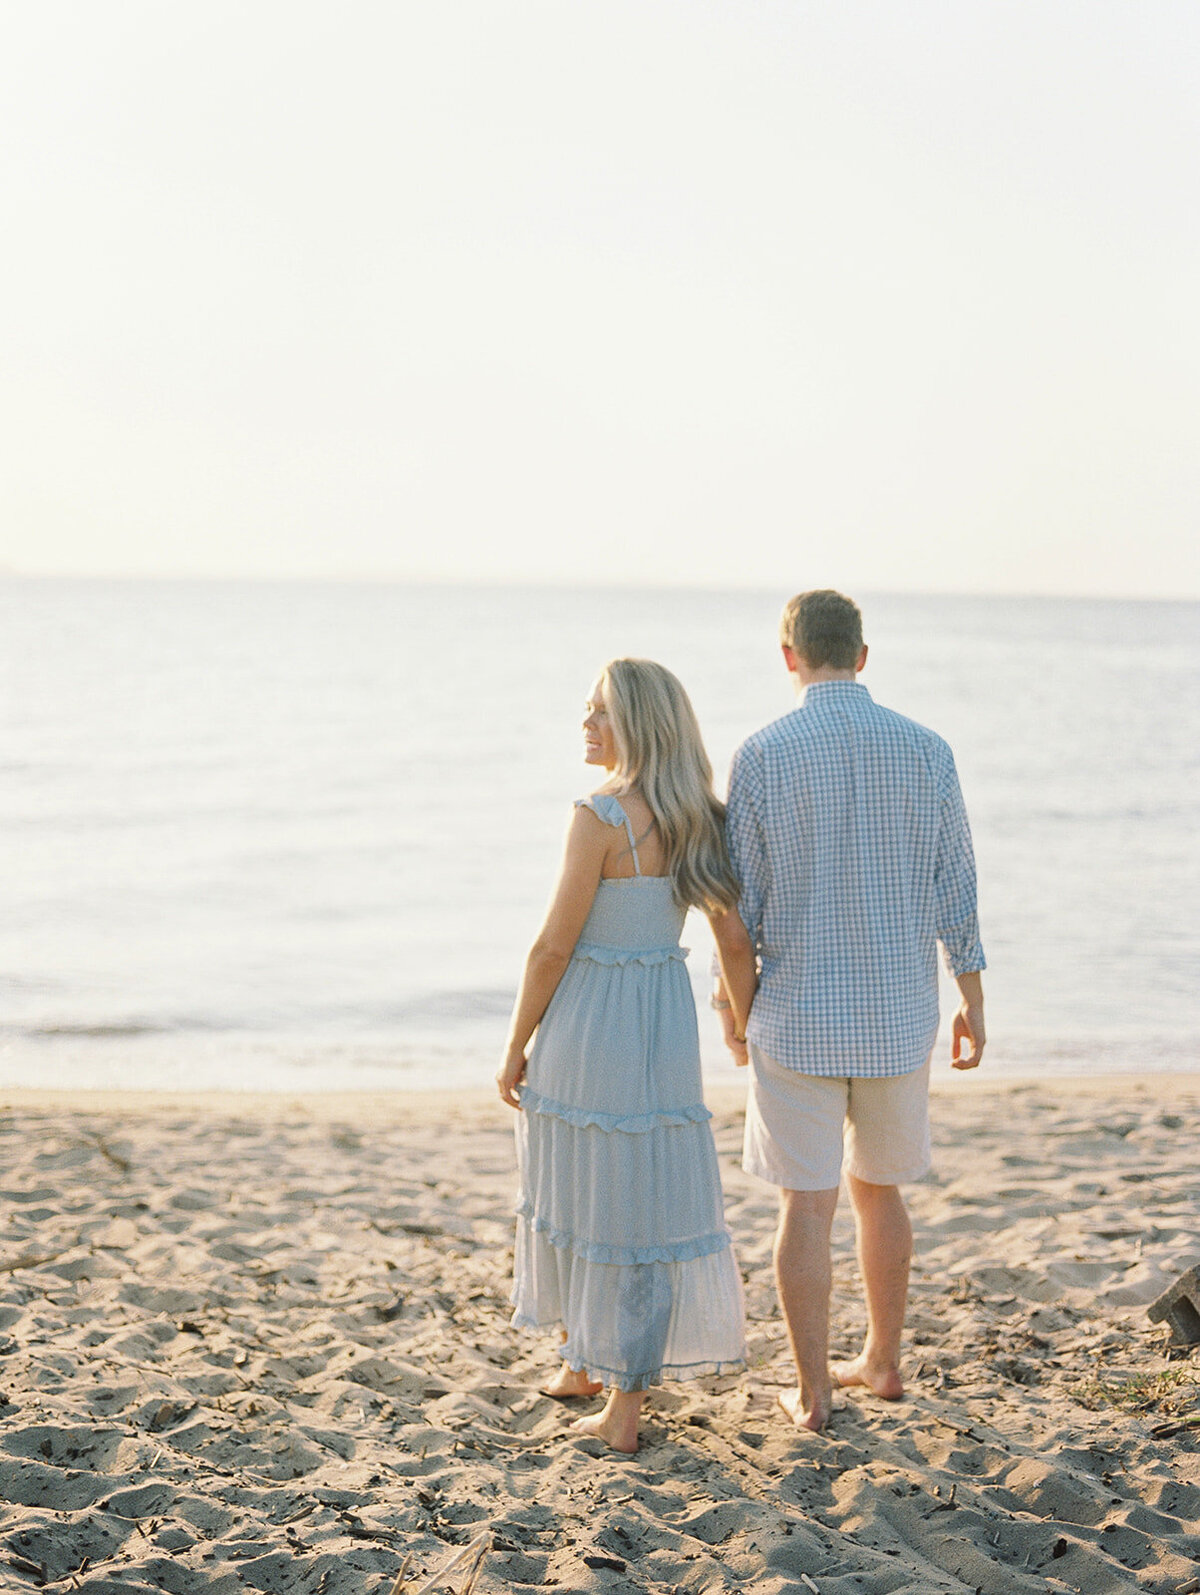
(660, 751)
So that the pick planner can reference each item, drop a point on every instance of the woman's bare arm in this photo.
(739, 969)
(588, 841)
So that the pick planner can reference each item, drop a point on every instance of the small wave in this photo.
(97, 1032)
(114, 1029)
(476, 1004)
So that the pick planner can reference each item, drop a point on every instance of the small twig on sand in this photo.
(1163, 1431)
(808, 1584)
(398, 1587)
(957, 1427)
(478, 1549)
(105, 1150)
(484, 1542)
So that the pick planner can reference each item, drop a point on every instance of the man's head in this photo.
(821, 634)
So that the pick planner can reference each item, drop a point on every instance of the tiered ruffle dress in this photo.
(621, 1233)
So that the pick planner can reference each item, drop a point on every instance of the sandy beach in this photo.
(263, 1343)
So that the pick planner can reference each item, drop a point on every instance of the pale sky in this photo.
(878, 295)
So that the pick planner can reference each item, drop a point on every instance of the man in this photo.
(847, 830)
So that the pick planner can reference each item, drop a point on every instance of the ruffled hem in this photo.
(627, 1123)
(619, 1378)
(595, 1252)
(632, 1324)
(599, 953)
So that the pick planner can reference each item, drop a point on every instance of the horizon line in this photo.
(557, 584)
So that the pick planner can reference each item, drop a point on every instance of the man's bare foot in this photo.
(814, 1416)
(570, 1384)
(617, 1425)
(885, 1381)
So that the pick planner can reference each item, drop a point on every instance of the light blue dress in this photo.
(621, 1233)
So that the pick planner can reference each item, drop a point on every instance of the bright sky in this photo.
(855, 292)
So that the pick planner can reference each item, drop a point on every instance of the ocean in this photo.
(298, 836)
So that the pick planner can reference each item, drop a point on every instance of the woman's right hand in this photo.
(510, 1076)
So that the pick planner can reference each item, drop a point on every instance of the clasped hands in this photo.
(735, 1043)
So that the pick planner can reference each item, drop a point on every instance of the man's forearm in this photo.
(970, 988)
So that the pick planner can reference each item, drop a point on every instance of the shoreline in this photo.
(262, 1341)
(429, 1105)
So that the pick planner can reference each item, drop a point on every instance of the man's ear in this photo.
(862, 660)
(789, 657)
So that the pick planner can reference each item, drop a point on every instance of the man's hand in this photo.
(967, 1037)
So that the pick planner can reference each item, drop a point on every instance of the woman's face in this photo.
(599, 743)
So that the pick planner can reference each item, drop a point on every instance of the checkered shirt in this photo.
(848, 833)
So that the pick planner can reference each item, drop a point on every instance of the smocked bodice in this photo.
(637, 915)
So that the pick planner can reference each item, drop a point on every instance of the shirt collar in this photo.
(832, 688)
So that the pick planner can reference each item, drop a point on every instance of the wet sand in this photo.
(262, 1343)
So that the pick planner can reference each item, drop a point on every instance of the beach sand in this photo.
(263, 1343)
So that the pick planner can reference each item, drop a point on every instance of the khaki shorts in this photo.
(795, 1125)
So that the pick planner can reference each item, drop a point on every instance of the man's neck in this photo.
(803, 678)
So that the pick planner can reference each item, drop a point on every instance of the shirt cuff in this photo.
(970, 961)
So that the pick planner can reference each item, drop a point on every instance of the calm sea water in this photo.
(299, 836)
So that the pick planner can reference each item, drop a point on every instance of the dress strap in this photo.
(605, 807)
(637, 867)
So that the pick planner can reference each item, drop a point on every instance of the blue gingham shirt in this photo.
(848, 833)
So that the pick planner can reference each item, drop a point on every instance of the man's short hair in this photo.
(824, 628)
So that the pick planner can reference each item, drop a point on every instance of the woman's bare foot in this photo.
(812, 1415)
(883, 1379)
(569, 1384)
(617, 1425)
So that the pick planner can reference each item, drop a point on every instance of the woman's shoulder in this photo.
(604, 806)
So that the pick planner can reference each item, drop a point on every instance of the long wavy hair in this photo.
(660, 751)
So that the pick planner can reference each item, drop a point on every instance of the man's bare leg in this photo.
(884, 1252)
(803, 1277)
(617, 1425)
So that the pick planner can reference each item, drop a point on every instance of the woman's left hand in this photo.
(510, 1076)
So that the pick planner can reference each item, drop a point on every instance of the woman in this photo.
(621, 1236)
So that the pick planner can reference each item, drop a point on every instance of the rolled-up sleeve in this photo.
(746, 839)
(954, 879)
